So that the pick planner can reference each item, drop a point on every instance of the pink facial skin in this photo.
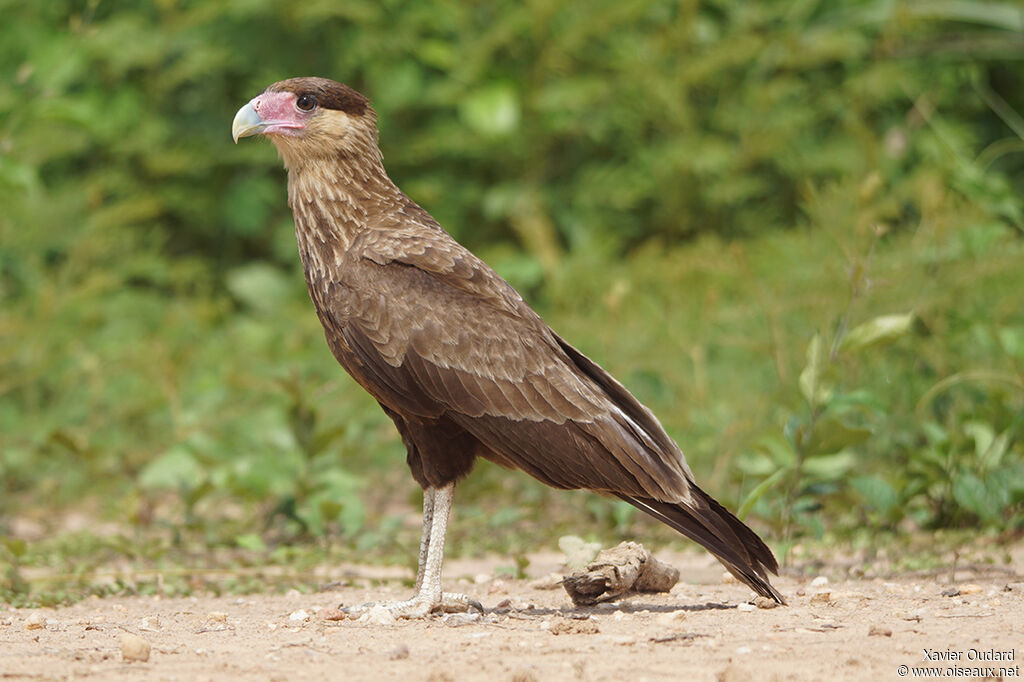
(278, 112)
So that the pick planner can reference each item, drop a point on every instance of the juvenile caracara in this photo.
(454, 356)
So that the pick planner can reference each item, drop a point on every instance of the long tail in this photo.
(738, 548)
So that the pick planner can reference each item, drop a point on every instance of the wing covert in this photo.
(465, 346)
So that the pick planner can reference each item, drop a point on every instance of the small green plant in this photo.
(937, 462)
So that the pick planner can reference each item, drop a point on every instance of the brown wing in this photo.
(432, 332)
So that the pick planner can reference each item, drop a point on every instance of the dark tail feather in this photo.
(738, 548)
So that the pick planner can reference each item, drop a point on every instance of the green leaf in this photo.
(993, 457)
(259, 286)
(999, 484)
(812, 378)
(877, 492)
(758, 492)
(756, 464)
(176, 469)
(251, 541)
(1002, 15)
(829, 467)
(1013, 475)
(779, 449)
(492, 110)
(878, 332)
(830, 435)
(982, 434)
(16, 546)
(1012, 341)
(971, 493)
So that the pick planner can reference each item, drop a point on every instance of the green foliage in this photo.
(898, 456)
(793, 229)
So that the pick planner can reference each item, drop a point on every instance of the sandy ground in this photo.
(705, 629)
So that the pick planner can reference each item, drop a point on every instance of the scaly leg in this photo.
(437, 508)
(428, 516)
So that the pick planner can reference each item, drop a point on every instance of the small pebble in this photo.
(150, 623)
(564, 626)
(970, 588)
(729, 579)
(331, 614)
(217, 616)
(34, 621)
(378, 615)
(821, 598)
(820, 581)
(765, 603)
(134, 648)
(459, 619)
(298, 616)
(670, 618)
(746, 607)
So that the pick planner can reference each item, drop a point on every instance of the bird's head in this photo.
(310, 118)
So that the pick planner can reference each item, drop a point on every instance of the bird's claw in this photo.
(453, 602)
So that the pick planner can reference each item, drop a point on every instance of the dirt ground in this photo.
(704, 629)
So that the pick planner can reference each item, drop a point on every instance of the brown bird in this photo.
(454, 356)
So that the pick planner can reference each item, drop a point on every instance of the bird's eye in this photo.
(306, 102)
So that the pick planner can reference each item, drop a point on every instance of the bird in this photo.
(462, 365)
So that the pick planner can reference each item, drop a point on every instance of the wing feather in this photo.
(467, 347)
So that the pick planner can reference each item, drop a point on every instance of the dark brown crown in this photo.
(329, 94)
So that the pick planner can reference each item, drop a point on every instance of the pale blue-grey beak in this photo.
(247, 123)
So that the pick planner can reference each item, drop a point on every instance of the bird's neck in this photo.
(333, 199)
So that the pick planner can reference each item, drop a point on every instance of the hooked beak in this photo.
(268, 113)
(247, 123)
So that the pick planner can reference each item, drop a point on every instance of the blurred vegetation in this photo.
(792, 228)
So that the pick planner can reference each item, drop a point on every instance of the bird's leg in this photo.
(437, 508)
(435, 528)
(428, 515)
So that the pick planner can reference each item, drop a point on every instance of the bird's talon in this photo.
(360, 609)
(458, 603)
